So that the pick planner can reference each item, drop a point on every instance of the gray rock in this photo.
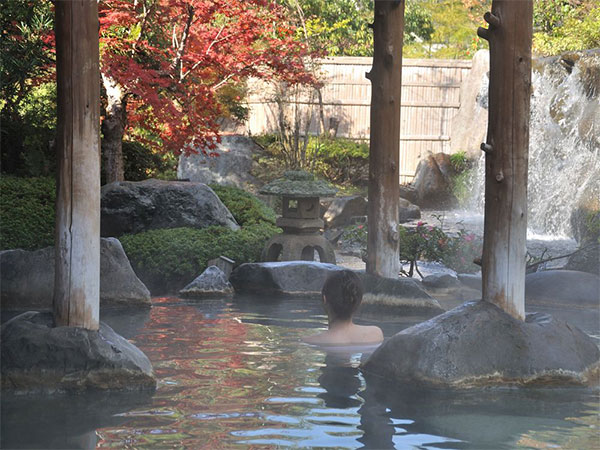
(409, 193)
(402, 295)
(408, 211)
(37, 357)
(290, 277)
(342, 209)
(562, 288)
(211, 283)
(133, 207)
(224, 263)
(587, 259)
(231, 167)
(396, 295)
(27, 278)
(478, 344)
(469, 125)
(440, 280)
(470, 280)
(433, 182)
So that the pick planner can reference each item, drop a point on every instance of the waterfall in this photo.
(564, 143)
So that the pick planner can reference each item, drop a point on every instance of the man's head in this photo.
(342, 294)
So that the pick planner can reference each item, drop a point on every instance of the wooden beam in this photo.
(77, 262)
(384, 161)
(506, 153)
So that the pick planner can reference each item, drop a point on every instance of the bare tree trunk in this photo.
(386, 78)
(77, 275)
(113, 129)
(506, 148)
(323, 130)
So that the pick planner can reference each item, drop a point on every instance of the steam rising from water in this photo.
(564, 156)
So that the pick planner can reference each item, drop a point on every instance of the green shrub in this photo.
(26, 212)
(167, 260)
(429, 243)
(245, 207)
(341, 161)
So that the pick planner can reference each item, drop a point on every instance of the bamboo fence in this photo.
(430, 99)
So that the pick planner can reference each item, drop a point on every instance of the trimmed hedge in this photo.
(245, 207)
(167, 260)
(27, 212)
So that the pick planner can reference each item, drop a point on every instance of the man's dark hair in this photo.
(343, 291)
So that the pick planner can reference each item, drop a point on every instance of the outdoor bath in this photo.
(234, 373)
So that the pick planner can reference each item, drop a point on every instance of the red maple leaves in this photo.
(171, 57)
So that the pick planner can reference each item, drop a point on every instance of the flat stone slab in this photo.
(288, 277)
(27, 278)
(210, 283)
(384, 295)
(478, 344)
(562, 287)
(37, 357)
(397, 296)
(441, 280)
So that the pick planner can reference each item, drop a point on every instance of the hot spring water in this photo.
(234, 374)
(564, 144)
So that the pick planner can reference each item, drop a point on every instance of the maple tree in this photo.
(164, 61)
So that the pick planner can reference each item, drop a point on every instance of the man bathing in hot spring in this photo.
(342, 294)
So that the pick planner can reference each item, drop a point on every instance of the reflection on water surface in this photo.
(235, 374)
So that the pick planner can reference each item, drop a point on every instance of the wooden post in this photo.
(77, 259)
(506, 148)
(384, 159)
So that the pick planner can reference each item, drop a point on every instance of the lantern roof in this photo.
(297, 184)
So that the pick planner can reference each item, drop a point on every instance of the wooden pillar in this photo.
(506, 147)
(77, 259)
(384, 159)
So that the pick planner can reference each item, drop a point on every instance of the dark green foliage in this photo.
(245, 207)
(26, 212)
(141, 163)
(167, 260)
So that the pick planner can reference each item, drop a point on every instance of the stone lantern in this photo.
(300, 221)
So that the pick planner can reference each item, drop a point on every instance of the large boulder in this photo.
(210, 283)
(289, 277)
(478, 344)
(342, 209)
(230, 164)
(38, 357)
(469, 125)
(27, 278)
(562, 288)
(136, 206)
(433, 182)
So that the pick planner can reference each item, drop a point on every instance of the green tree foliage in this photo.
(26, 104)
(565, 25)
(341, 27)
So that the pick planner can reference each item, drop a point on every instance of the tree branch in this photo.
(177, 64)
